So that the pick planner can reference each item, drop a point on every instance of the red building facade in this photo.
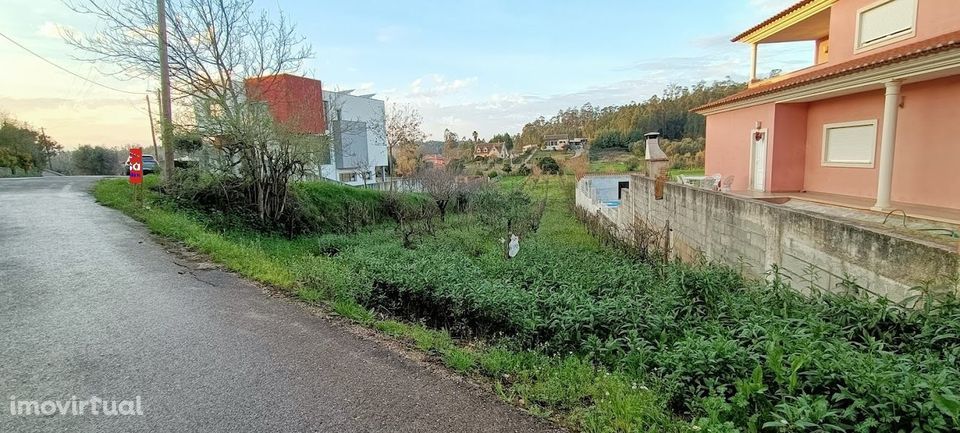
(296, 102)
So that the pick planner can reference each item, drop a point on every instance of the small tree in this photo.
(404, 135)
(413, 217)
(48, 148)
(441, 185)
(510, 212)
(549, 165)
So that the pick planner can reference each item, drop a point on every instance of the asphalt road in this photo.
(91, 306)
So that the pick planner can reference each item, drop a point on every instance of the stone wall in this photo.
(752, 235)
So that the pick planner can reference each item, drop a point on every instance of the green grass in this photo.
(573, 330)
(350, 309)
(686, 172)
(327, 207)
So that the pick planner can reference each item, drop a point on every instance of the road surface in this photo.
(91, 306)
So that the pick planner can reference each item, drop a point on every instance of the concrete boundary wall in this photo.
(810, 249)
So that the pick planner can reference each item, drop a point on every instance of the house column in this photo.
(888, 138)
(753, 62)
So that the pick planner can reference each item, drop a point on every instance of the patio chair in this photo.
(726, 184)
(711, 182)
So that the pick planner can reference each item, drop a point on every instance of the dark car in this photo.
(150, 165)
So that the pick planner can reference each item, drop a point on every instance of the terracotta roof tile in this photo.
(782, 14)
(895, 55)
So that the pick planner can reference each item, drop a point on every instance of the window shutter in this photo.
(889, 19)
(853, 144)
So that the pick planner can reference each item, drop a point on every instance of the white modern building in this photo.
(356, 125)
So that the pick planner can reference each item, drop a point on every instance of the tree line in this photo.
(23, 149)
(619, 126)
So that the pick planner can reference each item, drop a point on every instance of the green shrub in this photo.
(549, 165)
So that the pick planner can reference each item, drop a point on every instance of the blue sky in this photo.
(489, 66)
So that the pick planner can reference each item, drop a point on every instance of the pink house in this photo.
(875, 121)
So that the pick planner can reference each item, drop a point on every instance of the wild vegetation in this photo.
(575, 329)
(23, 149)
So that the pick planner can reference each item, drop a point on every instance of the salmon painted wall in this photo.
(788, 148)
(928, 144)
(861, 182)
(934, 18)
(927, 156)
(728, 142)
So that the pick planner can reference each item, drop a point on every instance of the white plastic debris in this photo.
(514, 246)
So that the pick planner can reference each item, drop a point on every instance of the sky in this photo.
(488, 66)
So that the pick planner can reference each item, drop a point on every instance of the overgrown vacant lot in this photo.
(580, 332)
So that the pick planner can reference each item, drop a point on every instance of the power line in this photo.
(67, 70)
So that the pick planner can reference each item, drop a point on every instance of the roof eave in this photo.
(788, 17)
(934, 60)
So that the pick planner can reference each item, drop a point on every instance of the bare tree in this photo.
(213, 44)
(413, 217)
(441, 185)
(404, 135)
(214, 47)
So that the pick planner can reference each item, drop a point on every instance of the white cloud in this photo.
(435, 85)
(52, 30)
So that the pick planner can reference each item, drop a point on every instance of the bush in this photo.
(313, 207)
(549, 165)
(524, 170)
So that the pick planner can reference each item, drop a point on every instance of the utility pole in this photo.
(167, 114)
(153, 131)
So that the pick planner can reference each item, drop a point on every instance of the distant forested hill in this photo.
(617, 126)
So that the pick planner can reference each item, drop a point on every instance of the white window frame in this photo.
(823, 148)
(859, 47)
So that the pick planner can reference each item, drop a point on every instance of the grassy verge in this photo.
(574, 330)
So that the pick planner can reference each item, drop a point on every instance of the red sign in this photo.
(135, 165)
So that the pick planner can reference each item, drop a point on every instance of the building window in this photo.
(851, 144)
(885, 22)
(348, 177)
